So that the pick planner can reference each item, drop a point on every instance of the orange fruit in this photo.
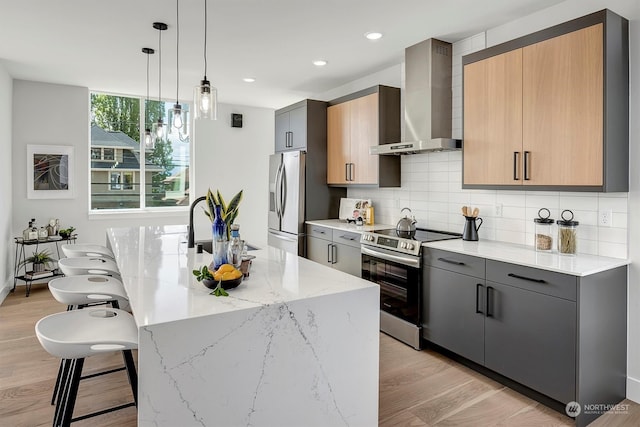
(224, 268)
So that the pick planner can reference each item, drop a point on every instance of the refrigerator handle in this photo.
(283, 190)
(278, 190)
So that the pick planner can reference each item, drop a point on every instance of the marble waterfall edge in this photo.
(306, 361)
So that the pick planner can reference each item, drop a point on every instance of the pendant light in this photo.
(178, 116)
(149, 141)
(206, 96)
(159, 125)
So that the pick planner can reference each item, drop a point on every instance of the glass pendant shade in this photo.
(158, 130)
(149, 140)
(206, 101)
(177, 119)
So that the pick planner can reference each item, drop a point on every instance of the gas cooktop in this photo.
(405, 242)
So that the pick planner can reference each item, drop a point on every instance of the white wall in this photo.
(226, 158)
(6, 248)
(233, 159)
(52, 114)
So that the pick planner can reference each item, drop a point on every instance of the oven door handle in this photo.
(411, 262)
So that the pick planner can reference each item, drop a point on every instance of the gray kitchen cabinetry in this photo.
(297, 123)
(336, 248)
(453, 310)
(548, 331)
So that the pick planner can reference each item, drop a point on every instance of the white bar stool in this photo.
(88, 265)
(86, 250)
(77, 334)
(82, 291)
(88, 289)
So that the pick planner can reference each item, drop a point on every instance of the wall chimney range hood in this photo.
(427, 101)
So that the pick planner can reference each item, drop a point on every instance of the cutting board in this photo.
(353, 208)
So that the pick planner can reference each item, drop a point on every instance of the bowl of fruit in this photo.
(227, 276)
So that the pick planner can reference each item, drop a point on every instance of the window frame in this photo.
(161, 211)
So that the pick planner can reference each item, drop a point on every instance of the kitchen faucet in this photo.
(191, 243)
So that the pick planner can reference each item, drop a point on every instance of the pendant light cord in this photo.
(177, 48)
(159, 74)
(205, 39)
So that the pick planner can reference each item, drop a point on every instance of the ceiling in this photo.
(97, 43)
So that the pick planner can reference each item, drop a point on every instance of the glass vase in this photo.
(220, 242)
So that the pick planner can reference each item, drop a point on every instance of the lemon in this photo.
(224, 268)
(217, 276)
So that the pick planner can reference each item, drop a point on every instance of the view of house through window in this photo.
(123, 174)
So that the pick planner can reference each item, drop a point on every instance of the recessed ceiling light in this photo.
(373, 35)
(249, 79)
(319, 62)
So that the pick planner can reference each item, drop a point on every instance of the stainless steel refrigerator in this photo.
(291, 180)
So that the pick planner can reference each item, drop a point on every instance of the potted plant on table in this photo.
(40, 260)
(66, 233)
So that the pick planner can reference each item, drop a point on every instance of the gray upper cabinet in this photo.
(292, 128)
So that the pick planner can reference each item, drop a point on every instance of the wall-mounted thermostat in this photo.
(236, 120)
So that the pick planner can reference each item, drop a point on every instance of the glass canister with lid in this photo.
(567, 234)
(543, 235)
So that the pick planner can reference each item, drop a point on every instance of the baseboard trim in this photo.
(5, 290)
(633, 389)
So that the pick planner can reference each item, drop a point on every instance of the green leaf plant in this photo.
(229, 211)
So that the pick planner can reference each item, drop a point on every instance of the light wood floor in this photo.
(417, 388)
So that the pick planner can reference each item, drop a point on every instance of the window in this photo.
(121, 181)
(124, 176)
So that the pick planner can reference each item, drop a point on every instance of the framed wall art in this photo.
(50, 172)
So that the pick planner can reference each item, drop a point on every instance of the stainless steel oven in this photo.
(395, 264)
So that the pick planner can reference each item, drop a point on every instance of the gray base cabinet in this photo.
(452, 312)
(548, 331)
(531, 338)
(335, 248)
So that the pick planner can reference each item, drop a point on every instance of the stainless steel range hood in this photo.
(427, 100)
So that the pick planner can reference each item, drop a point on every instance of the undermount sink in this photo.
(207, 246)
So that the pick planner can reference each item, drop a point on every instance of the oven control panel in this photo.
(399, 244)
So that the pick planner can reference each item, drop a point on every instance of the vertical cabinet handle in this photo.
(351, 165)
(346, 171)
(478, 286)
(526, 165)
(489, 299)
(515, 166)
(334, 254)
(329, 253)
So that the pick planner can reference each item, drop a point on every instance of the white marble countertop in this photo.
(156, 269)
(339, 224)
(578, 265)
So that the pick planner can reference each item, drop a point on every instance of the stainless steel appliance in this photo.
(395, 263)
(291, 179)
(428, 100)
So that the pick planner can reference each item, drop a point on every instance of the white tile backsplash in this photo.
(431, 187)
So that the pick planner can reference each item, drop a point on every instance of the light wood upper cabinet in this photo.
(354, 124)
(338, 149)
(364, 134)
(493, 119)
(550, 111)
(563, 109)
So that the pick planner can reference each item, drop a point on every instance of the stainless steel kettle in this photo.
(406, 227)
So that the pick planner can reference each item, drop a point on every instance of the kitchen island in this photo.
(295, 344)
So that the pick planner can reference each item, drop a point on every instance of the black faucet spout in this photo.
(191, 242)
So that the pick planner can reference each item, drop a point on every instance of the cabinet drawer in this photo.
(346, 237)
(319, 232)
(451, 261)
(534, 279)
